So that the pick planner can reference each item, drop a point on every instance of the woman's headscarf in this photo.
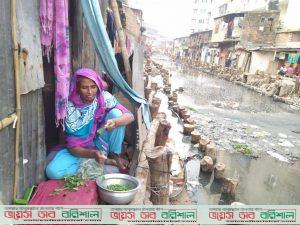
(74, 97)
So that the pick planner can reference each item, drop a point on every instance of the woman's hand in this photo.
(110, 125)
(99, 157)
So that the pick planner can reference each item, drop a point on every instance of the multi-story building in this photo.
(232, 21)
(249, 34)
(201, 15)
(273, 39)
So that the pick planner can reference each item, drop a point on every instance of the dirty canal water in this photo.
(232, 115)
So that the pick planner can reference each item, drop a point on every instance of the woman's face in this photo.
(87, 90)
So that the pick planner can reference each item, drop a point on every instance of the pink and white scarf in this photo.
(55, 32)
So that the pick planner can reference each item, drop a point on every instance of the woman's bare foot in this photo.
(111, 162)
(121, 163)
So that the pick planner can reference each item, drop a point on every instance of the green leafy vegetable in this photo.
(119, 187)
(71, 183)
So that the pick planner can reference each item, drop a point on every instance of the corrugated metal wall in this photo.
(32, 149)
(7, 103)
(28, 35)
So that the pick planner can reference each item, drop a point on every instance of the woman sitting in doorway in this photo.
(94, 127)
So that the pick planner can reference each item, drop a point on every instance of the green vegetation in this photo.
(119, 187)
(71, 183)
(245, 149)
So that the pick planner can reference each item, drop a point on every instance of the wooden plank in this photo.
(122, 41)
(88, 48)
(76, 33)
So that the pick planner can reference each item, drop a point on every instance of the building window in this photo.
(273, 5)
(270, 23)
(223, 9)
(195, 11)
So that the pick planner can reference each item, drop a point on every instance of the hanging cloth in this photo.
(46, 20)
(93, 17)
(56, 32)
(281, 55)
(293, 58)
(111, 27)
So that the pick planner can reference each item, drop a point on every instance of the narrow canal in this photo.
(229, 115)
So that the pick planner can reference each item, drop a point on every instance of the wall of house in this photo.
(287, 37)
(196, 43)
(259, 28)
(289, 10)
(219, 31)
(33, 149)
(202, 37)
(31, 61)
(260, 60)
(133, 24)
(7, 100)
(296, 37)
(242, 59)
(32, 139)
(193, 40)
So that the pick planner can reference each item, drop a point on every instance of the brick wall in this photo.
(288, 37)
(132, 22)
(260, 27)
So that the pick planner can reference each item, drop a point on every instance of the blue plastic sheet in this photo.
(93, 17)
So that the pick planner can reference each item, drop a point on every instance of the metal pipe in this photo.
(7, 121)
(16, 58)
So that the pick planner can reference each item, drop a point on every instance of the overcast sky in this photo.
(170, 17)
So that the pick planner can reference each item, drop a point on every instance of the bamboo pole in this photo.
(7, 121)
(18, 96)
(122, 38)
